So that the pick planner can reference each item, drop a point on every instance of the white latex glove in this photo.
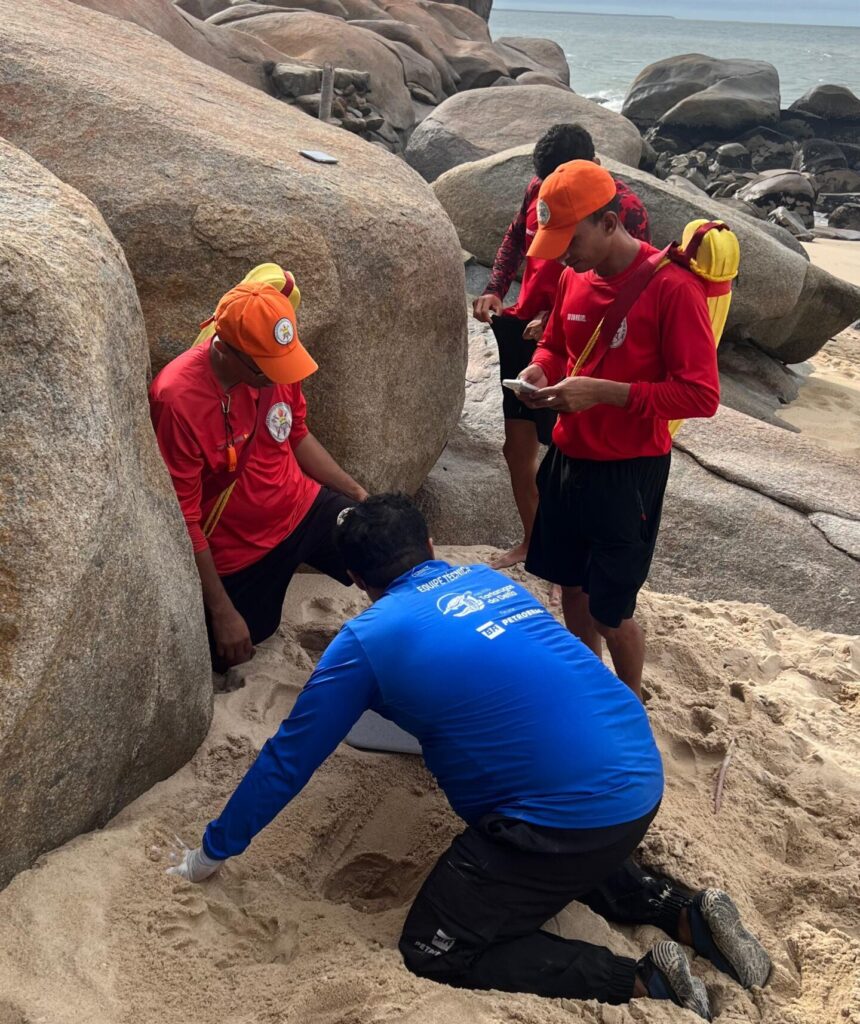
(195, 866)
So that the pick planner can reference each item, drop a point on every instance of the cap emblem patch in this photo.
(284, 331)
(542, 213)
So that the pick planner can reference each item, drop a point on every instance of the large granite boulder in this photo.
(105, 685)
(228, 51)
(525, 53)
(398, 31)
(831, 102)
(480, 7)
(318, 38)
(461, 36)
(701, 93)
(780, 301)
(476, 124)
(222, 188)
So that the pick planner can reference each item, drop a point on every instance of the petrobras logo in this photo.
(459, 605)
(490, 630)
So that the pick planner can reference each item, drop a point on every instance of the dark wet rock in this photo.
(846, 216)
(832, 102)
(693, 91)
(790, 189)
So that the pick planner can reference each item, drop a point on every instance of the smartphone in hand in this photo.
(519, 387)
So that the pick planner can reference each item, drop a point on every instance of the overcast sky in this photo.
(800, 12)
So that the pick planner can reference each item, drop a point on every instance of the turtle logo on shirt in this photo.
(279, 420)
(620, 335)
(459, 605)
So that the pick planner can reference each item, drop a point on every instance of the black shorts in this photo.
(596, 528)
(258, 590)
(515, 354)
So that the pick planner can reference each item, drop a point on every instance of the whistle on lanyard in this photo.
(230, 444)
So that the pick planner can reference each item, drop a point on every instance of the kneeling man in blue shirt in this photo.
(544, 753)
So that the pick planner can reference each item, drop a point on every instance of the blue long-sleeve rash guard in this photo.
(515, 715)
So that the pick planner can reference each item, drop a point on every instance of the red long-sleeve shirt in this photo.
(664, 349)
(272, 495)
(540, 277)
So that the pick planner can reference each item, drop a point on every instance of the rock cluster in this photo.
(718, 125)
(404, 57)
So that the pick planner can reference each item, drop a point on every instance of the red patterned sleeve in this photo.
(513, 248)
(634, 216)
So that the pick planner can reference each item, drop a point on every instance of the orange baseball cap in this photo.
(571, 193)
(260, 321)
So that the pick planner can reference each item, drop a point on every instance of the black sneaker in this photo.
(719, 935)
(665, 973)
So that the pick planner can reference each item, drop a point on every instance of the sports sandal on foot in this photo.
(719, 935)
(665, 973)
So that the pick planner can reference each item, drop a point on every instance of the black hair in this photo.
(558, 145)
(382, 538)
(613, 206)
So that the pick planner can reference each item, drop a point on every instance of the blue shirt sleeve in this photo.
(341, 689)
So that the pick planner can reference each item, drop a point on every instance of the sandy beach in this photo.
(303, 928)
(828, 405)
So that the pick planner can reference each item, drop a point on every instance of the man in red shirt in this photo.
(518, 327)
(602, 482)
(260, 495)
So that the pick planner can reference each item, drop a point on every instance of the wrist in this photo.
(610, 392)
(221, 608)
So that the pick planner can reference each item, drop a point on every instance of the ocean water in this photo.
(606, 52)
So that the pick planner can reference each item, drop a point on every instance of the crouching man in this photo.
(544, 753)
(259, 493)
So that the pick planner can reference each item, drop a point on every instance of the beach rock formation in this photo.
(830, 102)
(222, 188)
(242, 58)
(790, 189)
(545, 56)
(693, 91)
(480, 7)
(781, 302)
(316, 38)
(473, 125)
(105, 685)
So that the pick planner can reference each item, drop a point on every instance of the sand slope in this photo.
(303, 928)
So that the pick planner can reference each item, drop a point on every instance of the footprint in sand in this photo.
(230, 935)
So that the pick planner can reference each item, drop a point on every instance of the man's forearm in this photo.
(214, 595)
(611, 392)
(318, 464)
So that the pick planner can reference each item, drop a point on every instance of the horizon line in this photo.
(666, 17)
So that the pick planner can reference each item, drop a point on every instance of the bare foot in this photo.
(511, 557)
(555, 595)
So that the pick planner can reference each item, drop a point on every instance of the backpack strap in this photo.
(599, 342)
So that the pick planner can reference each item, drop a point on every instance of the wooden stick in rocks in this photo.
(721, 776)
(326, 92)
